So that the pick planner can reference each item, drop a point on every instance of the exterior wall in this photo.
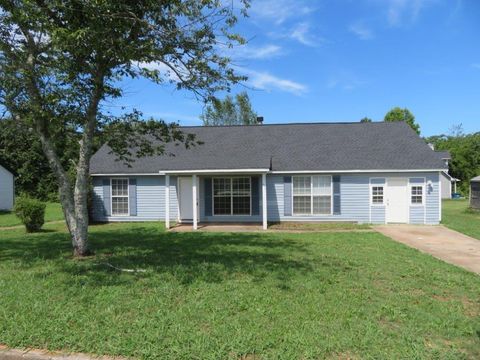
(446, 187)
(6, 189)
(150, 199)
(355, 202)
(475, 194)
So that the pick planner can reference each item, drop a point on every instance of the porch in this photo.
(218, 197)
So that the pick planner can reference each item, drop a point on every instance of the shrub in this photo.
(31, 212)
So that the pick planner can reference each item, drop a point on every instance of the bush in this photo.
(31, 212)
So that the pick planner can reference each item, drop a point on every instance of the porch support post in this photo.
(167, 202)
(194, 196)
(264, 201)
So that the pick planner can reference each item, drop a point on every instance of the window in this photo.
(377, 195)
(231, 196)
(312, 195)
(416, 194)
(120, 197)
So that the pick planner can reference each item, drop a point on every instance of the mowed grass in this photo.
(457, 216)
(53, 212)
(235, 296)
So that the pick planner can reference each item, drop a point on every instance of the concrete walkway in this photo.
(443, 243)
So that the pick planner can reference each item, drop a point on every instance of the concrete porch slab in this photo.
(218, 227)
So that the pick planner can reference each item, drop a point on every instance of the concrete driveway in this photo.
(445, 244)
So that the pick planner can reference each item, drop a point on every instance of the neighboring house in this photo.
(475, 192)
(356, 172)
(7, 188)
(448, 182)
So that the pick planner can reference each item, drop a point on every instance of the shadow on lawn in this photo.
(188, 257)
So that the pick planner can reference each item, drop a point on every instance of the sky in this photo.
(342, 60)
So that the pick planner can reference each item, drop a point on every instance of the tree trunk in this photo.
(74, 204)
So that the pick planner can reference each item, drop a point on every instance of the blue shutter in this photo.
(287, 195)
(132, 196)
(255, 195)
(336, 195)
(208, 196)
(107, 210)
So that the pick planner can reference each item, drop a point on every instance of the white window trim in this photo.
(384, 185)
(422, 185)
(311, 196)
(231, 195)
(128, 197)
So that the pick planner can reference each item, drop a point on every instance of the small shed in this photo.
(475, 192)
(7, 188)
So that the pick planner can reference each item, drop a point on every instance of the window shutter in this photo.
(208, 196)
(255, 195)
(287, 195)
(336, 195)
(107, 209)
(132, 196)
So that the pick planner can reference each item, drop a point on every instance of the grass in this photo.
(53, 212)
(457, 216)
(318, 226)
(233, 296)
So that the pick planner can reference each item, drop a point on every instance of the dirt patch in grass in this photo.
(320, 226)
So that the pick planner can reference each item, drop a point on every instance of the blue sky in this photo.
(315, 61)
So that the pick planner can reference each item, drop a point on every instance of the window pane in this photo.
(322, 185)
(120, 206)
(417, 194)
(321, 204)
(377, 195)
(222, 205)
(221, 186)
(119, 187)
(241, 205)
(302, 205)
(301, 185)
(241, 186)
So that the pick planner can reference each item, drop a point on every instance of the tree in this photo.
(366, 120)
(21, 150)
(398, 114)
(61, 61)
(230, 111)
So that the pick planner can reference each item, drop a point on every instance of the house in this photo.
(475, 193)
(7, 187)
(448, 183)
(355, 172)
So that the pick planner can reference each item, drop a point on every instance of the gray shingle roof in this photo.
(288, 147)
(444, 154)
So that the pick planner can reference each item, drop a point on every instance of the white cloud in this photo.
(361, 31)
(162, 69)
(253, 52)
(302, 33)
(279, 11)
(405, 11)
(264, 80)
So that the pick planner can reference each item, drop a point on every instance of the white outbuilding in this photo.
(7, 188)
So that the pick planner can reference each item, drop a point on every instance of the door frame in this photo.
(407, 203)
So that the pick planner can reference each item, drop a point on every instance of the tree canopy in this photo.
(399, 114)
(61, 62)
(365, 119)
(230, 111)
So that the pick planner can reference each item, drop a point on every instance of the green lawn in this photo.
(53, 212)
(230, 296)
(457, 216)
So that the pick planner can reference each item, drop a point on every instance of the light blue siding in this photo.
(150, 200)
(354, 200)
(377, 214)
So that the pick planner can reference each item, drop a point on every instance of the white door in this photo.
(186, 198)
(397, 200)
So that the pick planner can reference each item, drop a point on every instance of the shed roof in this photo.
(476, 179)
(287, 147)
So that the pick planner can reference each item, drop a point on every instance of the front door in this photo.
(186, 198)
(397, 200)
